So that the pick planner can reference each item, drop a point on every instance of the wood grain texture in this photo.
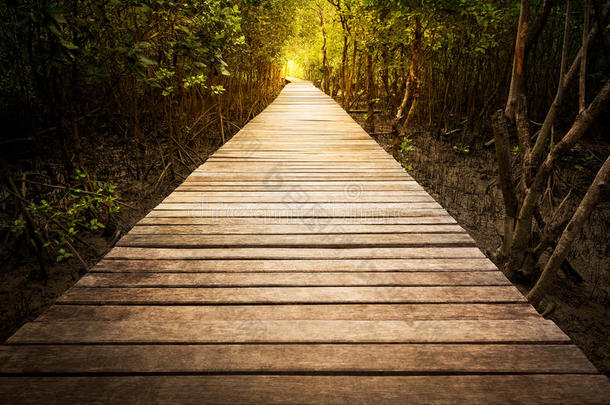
(308, 240)
(472, 278)
(299, 264)
(297, 331)
(576, 389)
(286, 229)
(203, 264)
(295, 253)
(291, 295)
(371, 312)
(294, 358)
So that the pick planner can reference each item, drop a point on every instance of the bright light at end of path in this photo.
(291, 68)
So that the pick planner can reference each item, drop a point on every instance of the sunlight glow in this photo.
(292, 68)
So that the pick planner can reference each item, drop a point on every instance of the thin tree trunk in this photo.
(536, 156)
(517, 78)
(399, 116)
(369, 124)
(350, 79)
(325, 69)
(522, 234)
(593, 196)
(505, 179)
(343, 68)
(414, 71)
(583, 60)
(412, 90)
(385, 77)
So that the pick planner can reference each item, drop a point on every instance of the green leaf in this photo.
(68, 45)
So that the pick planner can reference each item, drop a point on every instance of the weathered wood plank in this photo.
(296, 253)
(293, 202)
(306, 240)
(300, 331)
(291, 295)
(277, 185)
(273, 358)
(372, 312)
(322, 225)
(196, 390)
(146, 264)
(304, 212)
(292, 279)
(348, 196)
(372, 230)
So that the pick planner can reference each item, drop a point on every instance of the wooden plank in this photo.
(275, 389)
(147, 264)
(292, 279)
(297, 358)
(348, 196)
(349, 240)
(296, 253)
(295, 177)
(294, 203)
(220, 165)
(277, 229)
(307, 212)
(277, 185)
(300, 331)
(372, 312)
(291, 295)
(324, 225)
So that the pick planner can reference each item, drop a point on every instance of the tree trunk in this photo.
(534, 159)
(414, 71)
(595, 193)
(499, 124)
(325, 69)
(396, 132)
(583, 60)
(350, 78)
(517, 78)
(369, 124)
(412, 90)
(522, 234)
(385, 77)
(343, 69)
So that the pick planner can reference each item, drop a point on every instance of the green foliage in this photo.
(17, 226)
(406, 145)
(461, 148)
(585, 161)
(78, 76)
(58, 225)
(165, 43)
(217, 89)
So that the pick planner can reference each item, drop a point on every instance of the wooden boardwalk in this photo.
(299, 264)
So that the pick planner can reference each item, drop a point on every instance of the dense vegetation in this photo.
(98, 92)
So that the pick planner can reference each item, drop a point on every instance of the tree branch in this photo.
(593, 196)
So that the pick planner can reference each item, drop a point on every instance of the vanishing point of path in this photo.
(299, 264)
